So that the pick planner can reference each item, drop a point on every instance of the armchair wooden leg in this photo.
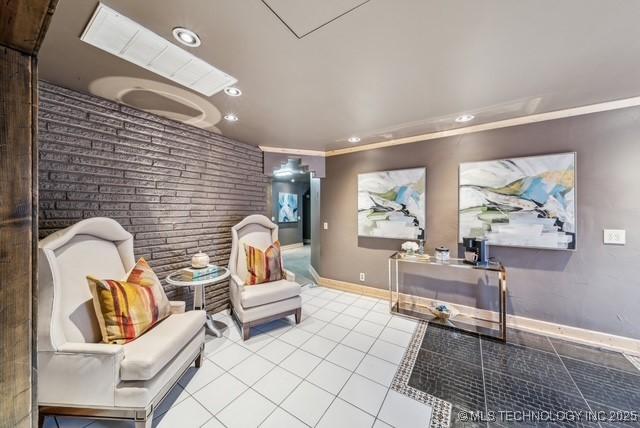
(246, 331)
(198, 360)
(298, 315)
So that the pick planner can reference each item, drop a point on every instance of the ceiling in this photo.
(313, 77)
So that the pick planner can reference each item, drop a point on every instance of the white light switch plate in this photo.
(325, 226)
(615, 237)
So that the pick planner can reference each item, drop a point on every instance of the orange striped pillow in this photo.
(127, 309)
(263, 266)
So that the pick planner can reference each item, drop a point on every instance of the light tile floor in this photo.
(333, 370)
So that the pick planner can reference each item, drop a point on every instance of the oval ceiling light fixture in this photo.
(354, 139)
(232, 91)
(186, 37)
(464, 118)
(231, 117)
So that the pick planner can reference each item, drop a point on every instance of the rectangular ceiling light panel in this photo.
(124, 38)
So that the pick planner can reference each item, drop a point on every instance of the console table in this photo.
(402, 303)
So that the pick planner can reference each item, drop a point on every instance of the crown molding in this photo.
(522, 120)
(287, 151)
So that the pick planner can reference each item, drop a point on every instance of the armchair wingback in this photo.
(257, 304)
(99, 247)
(78, 375)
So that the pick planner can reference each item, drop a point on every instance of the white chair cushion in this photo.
(148, 354)
(269, 292)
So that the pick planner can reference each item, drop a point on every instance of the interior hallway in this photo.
(298, 261)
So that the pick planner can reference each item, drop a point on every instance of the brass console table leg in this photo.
(503, 305)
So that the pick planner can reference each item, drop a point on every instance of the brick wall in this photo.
(176, 188)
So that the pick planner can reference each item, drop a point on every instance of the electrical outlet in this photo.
(615, 237)
(325, 226)
(362, 276)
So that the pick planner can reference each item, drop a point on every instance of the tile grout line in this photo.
(335, 396)
(484, 384)
(349, 378)
(299, 348)
(572, 379)
(615, 369)
(535, 382)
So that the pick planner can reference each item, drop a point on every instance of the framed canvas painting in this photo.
(287, 207)
(520, 202)
(391, 204)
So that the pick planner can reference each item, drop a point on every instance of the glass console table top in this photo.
(493, 266)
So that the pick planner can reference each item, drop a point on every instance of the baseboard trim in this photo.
(314, 274)
(292, 246)
(573, 334)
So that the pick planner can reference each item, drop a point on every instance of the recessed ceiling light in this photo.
(354, 139)
(231, 117)
(464, 118)
(232, 91)
(293, 180)
(186, 37)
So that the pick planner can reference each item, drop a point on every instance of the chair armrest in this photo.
(91, 348)
(237, 280)
(290, 276)
(177, 307)
(79, 374)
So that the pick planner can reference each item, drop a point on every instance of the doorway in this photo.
(291, 201)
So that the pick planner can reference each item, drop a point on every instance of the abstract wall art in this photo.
(391, 204)
(287, 207)
(520, 202)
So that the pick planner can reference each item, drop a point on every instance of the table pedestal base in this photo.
(198, 286)
(199, 304)
(211, 326)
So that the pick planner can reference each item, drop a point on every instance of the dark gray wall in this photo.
(289, 233)
(175, 187)
(596, 287)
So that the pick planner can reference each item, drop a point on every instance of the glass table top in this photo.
(495, 266)
(180, 279)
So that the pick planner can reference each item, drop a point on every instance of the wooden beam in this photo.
(23, 23)
(17, 224)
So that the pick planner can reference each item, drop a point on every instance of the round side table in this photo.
(178, 279)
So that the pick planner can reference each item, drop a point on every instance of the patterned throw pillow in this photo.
(126, 309)
(264, 266)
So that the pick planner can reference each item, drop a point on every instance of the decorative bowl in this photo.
(443, 311)
(199, 261)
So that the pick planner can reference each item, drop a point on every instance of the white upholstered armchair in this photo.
(78, 375)
(258, 304)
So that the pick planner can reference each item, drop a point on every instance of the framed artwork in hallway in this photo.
(287, 207)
